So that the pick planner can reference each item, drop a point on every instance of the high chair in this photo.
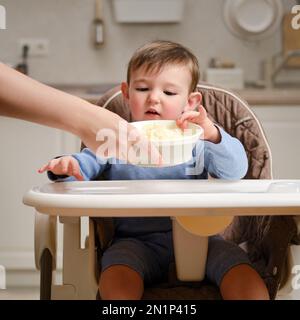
(270, 241)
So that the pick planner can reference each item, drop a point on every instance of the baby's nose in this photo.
(154, 97)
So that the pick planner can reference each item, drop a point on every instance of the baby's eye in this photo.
(141, 89)
(169, 93)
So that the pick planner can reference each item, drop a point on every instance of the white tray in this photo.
(112, 198)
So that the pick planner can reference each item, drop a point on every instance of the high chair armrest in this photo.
(44, 237)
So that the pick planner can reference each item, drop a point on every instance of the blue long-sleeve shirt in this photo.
(224, 160)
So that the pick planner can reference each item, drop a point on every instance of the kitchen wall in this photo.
(73, 59)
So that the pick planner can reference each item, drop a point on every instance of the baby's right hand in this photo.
(67, 165)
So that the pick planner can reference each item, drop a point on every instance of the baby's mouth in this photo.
(152, 112)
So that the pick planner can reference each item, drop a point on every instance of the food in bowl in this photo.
(157, 131)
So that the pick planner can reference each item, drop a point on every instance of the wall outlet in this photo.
(37, 47)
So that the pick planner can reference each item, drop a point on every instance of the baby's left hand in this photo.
(199, 117)
(211, 133)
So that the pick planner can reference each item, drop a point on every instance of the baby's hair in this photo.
(157, 54)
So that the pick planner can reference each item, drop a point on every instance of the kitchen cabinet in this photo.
(24, 148)
(281, 124)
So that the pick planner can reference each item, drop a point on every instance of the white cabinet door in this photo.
(24, 148)
(282, 127)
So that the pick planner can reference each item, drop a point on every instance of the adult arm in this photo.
(27, 99)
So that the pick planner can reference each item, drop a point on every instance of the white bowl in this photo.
(175, 147)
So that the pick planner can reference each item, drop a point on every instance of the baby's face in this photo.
(158, 96)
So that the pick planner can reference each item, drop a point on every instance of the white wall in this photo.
(73, 59)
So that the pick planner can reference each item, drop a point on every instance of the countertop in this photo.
(271, 97)
(254, 97)
(91, 92)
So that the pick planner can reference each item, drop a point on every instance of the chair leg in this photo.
(45, 275)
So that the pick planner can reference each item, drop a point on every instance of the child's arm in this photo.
(82, 166)
(224, 155)
(63, 166)
(227, 159)
(211, 133)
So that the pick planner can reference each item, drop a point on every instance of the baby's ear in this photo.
(194, 100)
(125, 91)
